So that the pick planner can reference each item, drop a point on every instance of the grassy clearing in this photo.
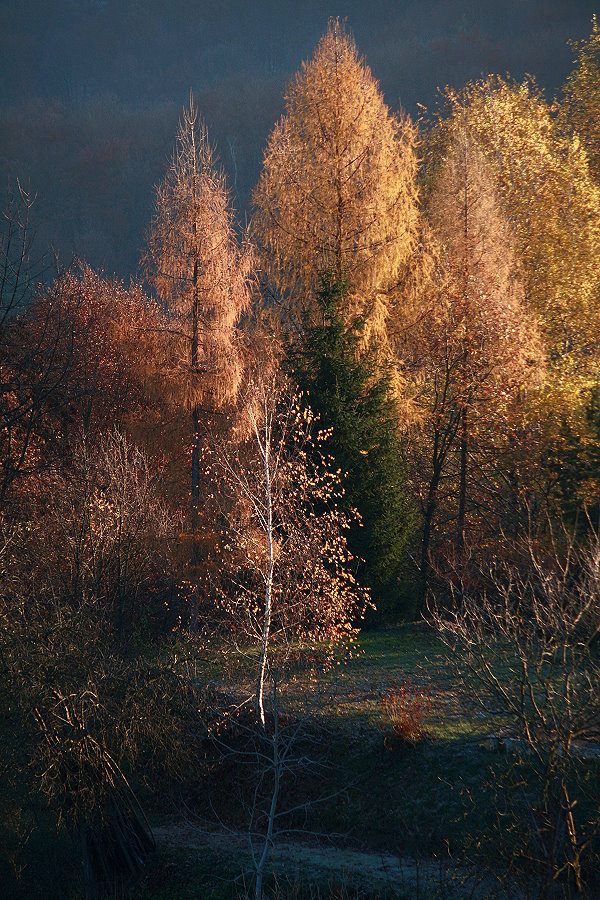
(432, 802)
(424, 802)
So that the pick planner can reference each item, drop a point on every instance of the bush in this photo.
(405, 709)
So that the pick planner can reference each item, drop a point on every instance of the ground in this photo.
(382, 819)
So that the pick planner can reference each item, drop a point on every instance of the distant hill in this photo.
(90, 90)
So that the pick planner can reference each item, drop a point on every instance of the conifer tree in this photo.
(201, 274)
(352, 397)
(337, 193)
(477, 347)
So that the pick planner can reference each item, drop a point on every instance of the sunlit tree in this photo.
(553, 206)
(337, 192)
(201, 274)
(286, 568)
(477, 347)
(580, 107)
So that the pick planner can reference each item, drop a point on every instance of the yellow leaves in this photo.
(580, 110)
(553, 205)
(337, 192)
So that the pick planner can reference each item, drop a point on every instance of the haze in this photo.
(91, 89)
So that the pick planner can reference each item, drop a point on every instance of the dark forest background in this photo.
(91, 90)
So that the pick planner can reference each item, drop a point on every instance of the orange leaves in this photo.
(286, 530)
(200, 272)
(338, 192)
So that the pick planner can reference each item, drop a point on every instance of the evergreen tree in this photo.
(574, 466)
(355, 402)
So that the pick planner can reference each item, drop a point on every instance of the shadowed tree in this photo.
(353, 398)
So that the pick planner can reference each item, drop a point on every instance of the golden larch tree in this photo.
(201, 274)
(337, 193)
(476, 348)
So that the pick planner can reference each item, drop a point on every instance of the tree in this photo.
(201, 275)
(354, 401)
(337, 192)
(36, 344)
(553, 206)
(108, 532)
(574, 465)
(580, 107)
(478, 348)
(525, 650)
(285, 558)
(114, 340)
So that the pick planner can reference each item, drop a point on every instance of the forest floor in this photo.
(374, 821)
(201, 861)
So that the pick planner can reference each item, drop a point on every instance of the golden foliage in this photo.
(480, 294)
(199, 270)
(337, 193)
(553, 205)
(580, 110)
(475, 348)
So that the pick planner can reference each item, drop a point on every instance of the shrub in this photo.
(405, 708)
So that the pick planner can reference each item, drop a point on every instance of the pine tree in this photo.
(352, 397)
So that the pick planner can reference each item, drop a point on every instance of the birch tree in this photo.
(287, 571)
(580, 108)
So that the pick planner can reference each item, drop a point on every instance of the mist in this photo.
(92, 90)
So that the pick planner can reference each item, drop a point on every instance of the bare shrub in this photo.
(526, 650)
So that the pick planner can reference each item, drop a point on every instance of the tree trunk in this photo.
(462, 492)
(430, 508)
(195, 448)
(268, 581)
(260, 865)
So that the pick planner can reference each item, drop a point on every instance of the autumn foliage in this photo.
(409, 325)
(337, 193)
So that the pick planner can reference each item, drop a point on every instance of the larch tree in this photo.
(201, 274)
(553, 205)
(580, 108)
(552, 200)
(478, 347)
(337, 193)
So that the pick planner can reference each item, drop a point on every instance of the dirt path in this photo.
(300, 861)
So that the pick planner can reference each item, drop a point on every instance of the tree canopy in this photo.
(337, 192)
